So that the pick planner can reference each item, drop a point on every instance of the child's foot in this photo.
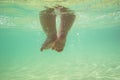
(59, 43)
(48, 43)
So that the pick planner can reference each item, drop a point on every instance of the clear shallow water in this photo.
(92, 51)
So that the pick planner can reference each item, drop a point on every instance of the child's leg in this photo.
(48, 22)
(67, 19)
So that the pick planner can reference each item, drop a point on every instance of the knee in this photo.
(47, 11)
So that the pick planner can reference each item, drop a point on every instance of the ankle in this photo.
(62, 35)
(52, 36)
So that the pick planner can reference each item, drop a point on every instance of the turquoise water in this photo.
(92, 50)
